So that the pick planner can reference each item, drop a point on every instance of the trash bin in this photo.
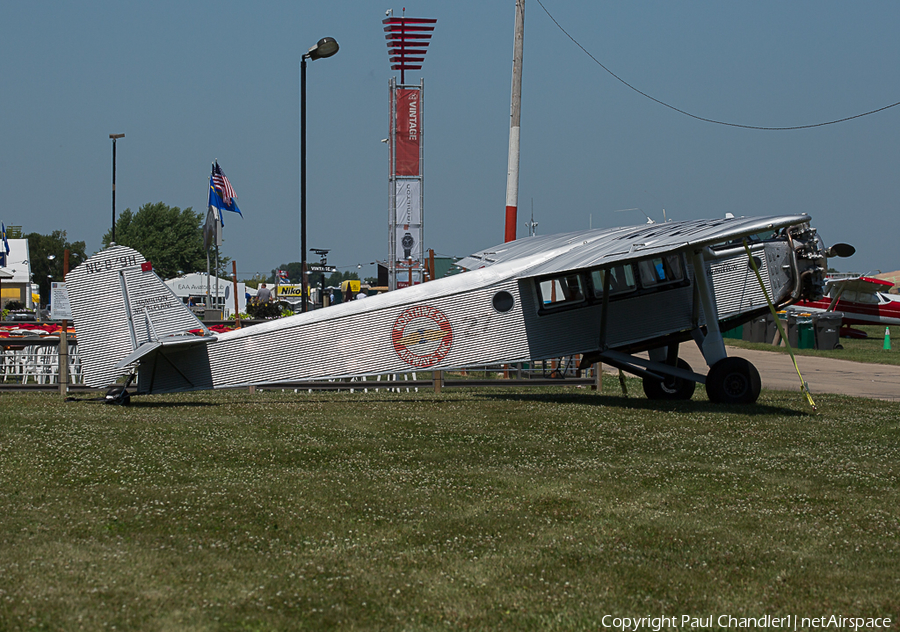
(800, 330)
(828, 329)
(734, 332)
(755, 330)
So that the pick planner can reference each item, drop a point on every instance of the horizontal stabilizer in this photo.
(149, 347)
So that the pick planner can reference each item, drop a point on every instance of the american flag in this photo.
(4, 247)
(222, 184)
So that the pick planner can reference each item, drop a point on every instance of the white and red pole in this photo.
(512, 174)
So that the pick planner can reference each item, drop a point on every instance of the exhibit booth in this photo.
(192, 290)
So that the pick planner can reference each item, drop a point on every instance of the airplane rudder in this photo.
(119, 303)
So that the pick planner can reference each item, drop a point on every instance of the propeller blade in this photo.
(840, 250)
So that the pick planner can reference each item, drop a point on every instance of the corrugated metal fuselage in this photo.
(454, 323)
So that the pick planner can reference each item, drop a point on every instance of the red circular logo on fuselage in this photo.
(422, 336)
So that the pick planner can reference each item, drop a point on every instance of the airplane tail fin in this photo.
(119, 303)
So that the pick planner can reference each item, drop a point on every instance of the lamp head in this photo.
(325, 47)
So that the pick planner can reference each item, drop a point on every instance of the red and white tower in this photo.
(407, 40)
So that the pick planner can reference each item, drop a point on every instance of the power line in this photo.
(701, 118)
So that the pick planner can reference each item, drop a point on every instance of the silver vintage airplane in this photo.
(605, 294)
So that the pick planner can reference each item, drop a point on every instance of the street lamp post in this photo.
(114, 138)
(325, 47)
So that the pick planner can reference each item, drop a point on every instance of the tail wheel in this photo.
(670, 387)
(733, 381)
(118, 396)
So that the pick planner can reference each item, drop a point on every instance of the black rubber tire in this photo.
(671, 388)
(118, 396)
(733, 381)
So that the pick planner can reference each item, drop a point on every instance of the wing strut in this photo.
(836, 298)
(711, 345)
(604, 309)
(804, 387)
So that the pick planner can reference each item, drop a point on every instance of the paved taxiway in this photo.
(824, 375)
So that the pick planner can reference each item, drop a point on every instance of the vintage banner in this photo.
(409, 127)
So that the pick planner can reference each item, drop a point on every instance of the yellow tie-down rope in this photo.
(804, 387)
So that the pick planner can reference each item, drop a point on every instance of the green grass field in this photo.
(869, 349)
(538, 509)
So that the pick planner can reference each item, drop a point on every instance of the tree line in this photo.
(168, 236)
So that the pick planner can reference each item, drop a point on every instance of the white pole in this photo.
(208, 306)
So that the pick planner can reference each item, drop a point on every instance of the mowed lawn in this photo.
(530, 509)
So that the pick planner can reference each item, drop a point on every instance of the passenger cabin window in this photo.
(661, 271)
(621, 279)
(561, 291)
(576, 289)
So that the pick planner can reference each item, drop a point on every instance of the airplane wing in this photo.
(860, 284)
(584, 249)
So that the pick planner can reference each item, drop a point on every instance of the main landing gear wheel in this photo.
(733, 381)
(670, 387)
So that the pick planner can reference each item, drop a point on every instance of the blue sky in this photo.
(190, 82)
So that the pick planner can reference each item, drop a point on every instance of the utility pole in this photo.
(64, 341)
(114, 138)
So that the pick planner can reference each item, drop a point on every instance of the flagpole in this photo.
(222, 198)
(207, 280)
(208, 293)
(218, 241)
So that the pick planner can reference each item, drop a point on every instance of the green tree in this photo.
(337, 278)
(47, 254)
(167, 236)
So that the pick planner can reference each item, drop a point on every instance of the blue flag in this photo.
(221, 193)
(216, 201)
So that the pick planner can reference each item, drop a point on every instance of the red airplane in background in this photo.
(863, 301)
